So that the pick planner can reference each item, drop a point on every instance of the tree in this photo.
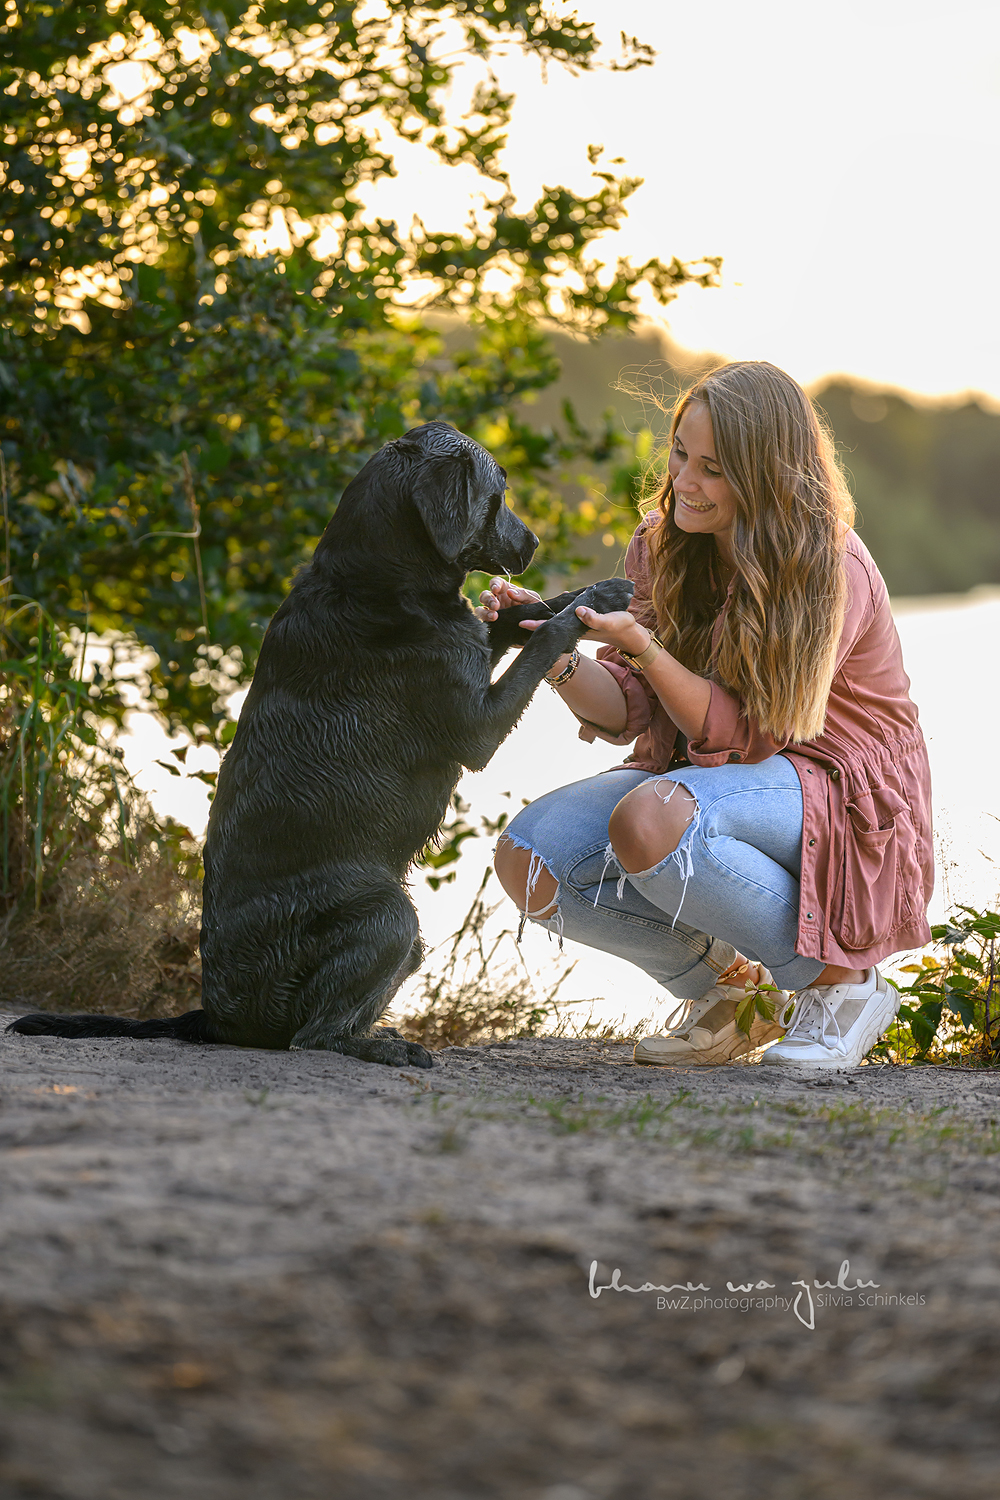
(179, 409)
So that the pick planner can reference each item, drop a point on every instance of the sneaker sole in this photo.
(870, 1036)
(712, 1057)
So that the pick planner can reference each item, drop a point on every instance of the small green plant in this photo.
(951, 1009)
(647, 1116)
(759, 1002)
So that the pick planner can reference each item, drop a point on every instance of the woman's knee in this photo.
(649, 823)
(531, 886)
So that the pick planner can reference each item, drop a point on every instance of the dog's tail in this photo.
(193, 1026)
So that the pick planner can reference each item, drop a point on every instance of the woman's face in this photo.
(704, 501)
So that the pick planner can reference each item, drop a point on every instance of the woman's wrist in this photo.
(640, 659)
(638, 640)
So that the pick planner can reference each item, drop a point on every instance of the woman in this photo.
(772, 825)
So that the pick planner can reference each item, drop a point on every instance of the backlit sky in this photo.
(842, 158)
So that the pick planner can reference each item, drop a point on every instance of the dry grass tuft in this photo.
(480, 989)
(117, 938)
(99, 903)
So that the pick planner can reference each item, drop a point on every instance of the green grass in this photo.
(830, 1132)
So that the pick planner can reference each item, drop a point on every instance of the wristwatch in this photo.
(642, 659)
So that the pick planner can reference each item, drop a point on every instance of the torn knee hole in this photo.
(526, 879)
(642, 836)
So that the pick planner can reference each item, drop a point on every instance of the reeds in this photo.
(479, 989)
(98, 900)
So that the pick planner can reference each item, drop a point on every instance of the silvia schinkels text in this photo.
(763, 1296)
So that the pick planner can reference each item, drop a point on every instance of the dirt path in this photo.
(270, 1276)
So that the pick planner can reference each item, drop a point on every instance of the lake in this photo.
(948, 646)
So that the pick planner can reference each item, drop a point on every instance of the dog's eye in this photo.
(495, 502)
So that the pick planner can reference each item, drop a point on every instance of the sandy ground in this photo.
(272, 1276)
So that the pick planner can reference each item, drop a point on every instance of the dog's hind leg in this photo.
(353, 984)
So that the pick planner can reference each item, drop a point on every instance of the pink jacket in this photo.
(867, 856)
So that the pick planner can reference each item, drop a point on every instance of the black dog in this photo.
(371, 693)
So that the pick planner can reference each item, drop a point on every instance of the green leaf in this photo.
(964, 1007)
(923, 1032)
(745, 1012)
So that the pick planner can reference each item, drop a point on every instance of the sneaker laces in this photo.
(690, 1013)
(812, 1018)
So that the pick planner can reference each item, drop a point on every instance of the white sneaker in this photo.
(833, 1025)
(707, 1034)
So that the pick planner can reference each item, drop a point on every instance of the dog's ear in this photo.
(444, 492)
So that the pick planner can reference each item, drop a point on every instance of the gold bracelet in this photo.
(567, 671)
(645, 658)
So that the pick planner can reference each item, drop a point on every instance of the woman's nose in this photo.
(682, 483)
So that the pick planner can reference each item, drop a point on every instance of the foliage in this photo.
(98, 903)
(179, 410)
(953, 1014)
(924, 477)
(446, 847)
(58, 792)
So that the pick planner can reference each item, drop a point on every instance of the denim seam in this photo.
(745, 880)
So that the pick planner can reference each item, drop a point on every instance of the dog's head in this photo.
(458, 491)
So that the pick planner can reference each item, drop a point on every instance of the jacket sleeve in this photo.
(640, 700)
(730, 734)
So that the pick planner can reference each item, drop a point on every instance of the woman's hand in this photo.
(618, 629)
(501, 595)
(621, 629)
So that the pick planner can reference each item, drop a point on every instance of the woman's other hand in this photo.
(501, 594)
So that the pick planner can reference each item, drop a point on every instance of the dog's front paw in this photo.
(608, 596)
(386, 1046)
(410, 1054)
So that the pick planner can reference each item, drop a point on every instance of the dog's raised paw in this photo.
(608, 596)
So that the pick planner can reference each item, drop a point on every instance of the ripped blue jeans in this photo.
(734, 876)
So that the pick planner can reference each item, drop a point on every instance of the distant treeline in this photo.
(925, 477)
(926, 480)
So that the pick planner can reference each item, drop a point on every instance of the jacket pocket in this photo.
(876, 861)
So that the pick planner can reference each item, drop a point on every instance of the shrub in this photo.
(953, 1009)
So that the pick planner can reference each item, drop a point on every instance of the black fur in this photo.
(371, 693)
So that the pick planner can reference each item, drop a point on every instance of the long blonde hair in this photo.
(779, 635)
